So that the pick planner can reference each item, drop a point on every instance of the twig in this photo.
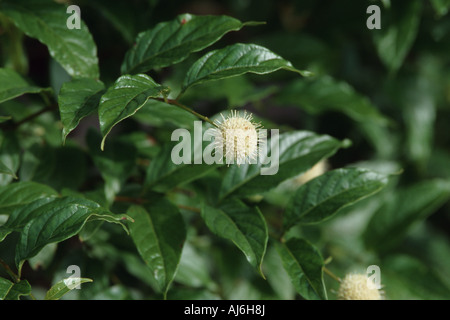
(332, 275)
(35, 115)
(11, 126)
(193, 209)
(9, 271)
(182, 106)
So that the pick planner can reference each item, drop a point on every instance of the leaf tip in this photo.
(102, 144)
(346, 143)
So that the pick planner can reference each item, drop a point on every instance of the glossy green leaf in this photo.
(396, 36)
(46, 21)
(321, 198)
(159, 233)
(124, 98)
(22, 193)
(5, 286)
(20, 216)
(64, 286)
(303, 263)
(298, 152)
(323, 94)
(235, 60)
(13, 85)
(172, 41)
(78, 99)
(13, 291)
(56, 221)
(401, 210)
(244, 226)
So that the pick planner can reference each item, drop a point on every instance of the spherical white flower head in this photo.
(236, 137)
(354, 287)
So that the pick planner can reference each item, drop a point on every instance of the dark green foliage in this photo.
(88, 181)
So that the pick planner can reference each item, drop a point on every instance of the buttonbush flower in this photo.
(237, 137)
(354, 287)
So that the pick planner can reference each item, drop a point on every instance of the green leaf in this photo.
(56, 221)
(12, 85)
(5, 286)
(163, 174)
(172, 41)
(322, 94)
(397, 35)
(244, 226)
(298, 152)
(321, 198)
(64, 286)
(159, 233)
(401, 210)
(303, 263)
(78, 99)
(235, 60)
(22, 193)
(124, 98)
(20, 216)
(12, 291)
(46, 21)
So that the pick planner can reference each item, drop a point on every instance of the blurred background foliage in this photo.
(386, 90)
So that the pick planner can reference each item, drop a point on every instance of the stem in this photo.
(9, 271)
(193, 209)
(34, 115)
(11, 126)
(332, 275)
(182, 106)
